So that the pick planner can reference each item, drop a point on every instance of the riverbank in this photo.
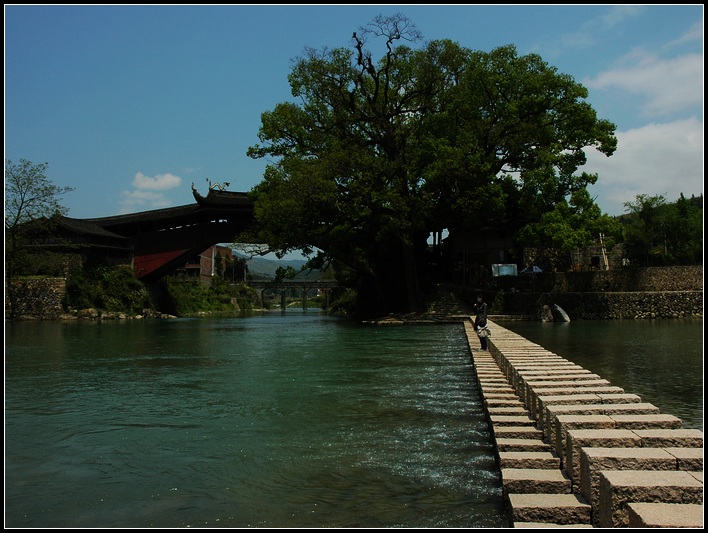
(656, 293)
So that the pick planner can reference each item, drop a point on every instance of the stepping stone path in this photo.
(575, 451)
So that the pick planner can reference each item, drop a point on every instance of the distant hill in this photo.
(261, 267)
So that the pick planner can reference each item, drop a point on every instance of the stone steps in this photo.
(574, 451)
(557, 509)
(673, 515)
(618, 488)
(594, 461)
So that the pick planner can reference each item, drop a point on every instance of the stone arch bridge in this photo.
(323, 287)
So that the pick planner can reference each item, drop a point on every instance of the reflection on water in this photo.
(293, 420)
(659, 360)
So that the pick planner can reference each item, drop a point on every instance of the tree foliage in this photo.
(374, 154)
(661, 233)
(29, 194)
(31, 208)
(30, 197)
(572, 224)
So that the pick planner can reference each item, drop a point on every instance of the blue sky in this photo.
(130, 105)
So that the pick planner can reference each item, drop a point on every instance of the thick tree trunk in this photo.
(393, 286)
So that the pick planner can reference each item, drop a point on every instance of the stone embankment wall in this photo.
(41, 299)
(650, 279)
(667, 292)
(611, 305)
(38, 298)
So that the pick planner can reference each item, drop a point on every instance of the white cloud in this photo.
(693, 35)
(161, 182)
(148, 193)
(619, 14)
(133, 201)
(668, 85)
(657, 159)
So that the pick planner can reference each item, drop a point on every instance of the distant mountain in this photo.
(260, 266)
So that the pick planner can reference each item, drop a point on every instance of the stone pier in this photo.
(575, 451)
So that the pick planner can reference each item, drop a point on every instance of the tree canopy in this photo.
(374, 154)
(30, 196)
(662, 233)
(31, 199)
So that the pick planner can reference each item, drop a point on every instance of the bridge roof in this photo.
(155, 214)
(214, 205)
(86, 227)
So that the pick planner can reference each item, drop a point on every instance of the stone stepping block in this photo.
(594, 460)
(489, 369)
(541, 388)
(502, 387)
(511, 420)
(496, 387)
(535, 481)
(690, 459)
(533, 396)
(525, 459)
(525, 386)
(545, 362)
(506, 395)
(516, 410)
(531, 381)
(619, 398)
(490, 374)
(545, 525)
(665, 438)
(493, 386)
(544, 402)
(618, 488)
(672, 515)
(594, 438)
(503, 402)
(551, 411)
(489, 377)
(517, 432)
(518, 378)
(658, 421)
(552, 371)
(521, 445)
(564, 423)
(540, 365)
(549, 509)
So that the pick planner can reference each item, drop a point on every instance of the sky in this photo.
(130, 105)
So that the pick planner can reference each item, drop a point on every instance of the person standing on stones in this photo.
(480, 321)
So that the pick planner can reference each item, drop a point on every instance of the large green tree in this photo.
(374, 154)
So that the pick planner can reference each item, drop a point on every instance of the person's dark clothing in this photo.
(480, 321)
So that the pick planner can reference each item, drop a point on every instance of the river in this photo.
(284, 420)
(295, 420)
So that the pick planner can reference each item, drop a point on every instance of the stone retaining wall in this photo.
(649, 279)
(37, 298)
(606, 305)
